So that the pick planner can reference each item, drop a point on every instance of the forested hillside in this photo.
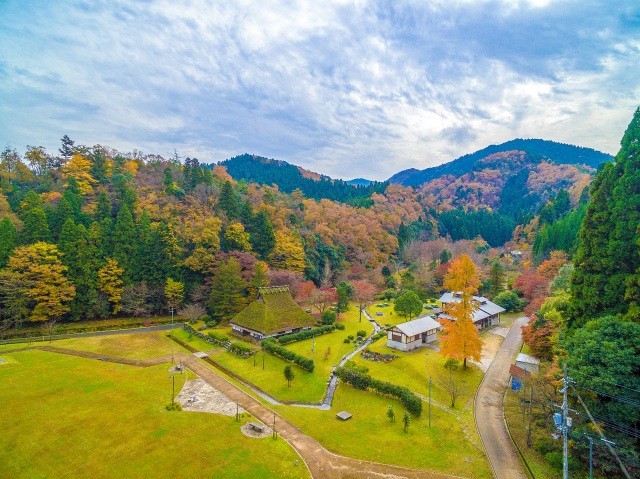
(91, 232)
(540, 150)
(289, 177)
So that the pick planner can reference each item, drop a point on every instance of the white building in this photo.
(528, 363)
(485, 312)
(413, 334)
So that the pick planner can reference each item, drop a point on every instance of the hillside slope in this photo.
(551, 151)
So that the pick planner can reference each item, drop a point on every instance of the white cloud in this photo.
(344, 88)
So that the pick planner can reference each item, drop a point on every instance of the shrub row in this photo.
(363, 381)
(378, 335)
(290, 338)
(271, 346)
(220, 339)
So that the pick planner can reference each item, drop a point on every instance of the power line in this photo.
(625, 400)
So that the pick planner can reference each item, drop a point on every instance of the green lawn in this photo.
(306, 386)
(389, 317)
(135, 346)
(65, 416)
(371, 436)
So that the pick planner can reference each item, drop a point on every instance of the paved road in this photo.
(502, 454)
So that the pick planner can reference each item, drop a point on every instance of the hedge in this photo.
(309, 333)
(363, 381)
(270, 346)
(220, 339)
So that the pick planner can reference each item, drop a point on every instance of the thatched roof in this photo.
(274, 311)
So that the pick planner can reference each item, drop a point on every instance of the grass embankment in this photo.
(517, 421)
(65, 416)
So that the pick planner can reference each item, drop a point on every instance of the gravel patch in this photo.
(197, 395)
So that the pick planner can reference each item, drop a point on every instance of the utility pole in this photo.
(275, 434)
(429, 401)
(530, 411)
(565, 426)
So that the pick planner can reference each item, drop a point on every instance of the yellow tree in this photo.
(79, 168)
(236, 238)
(460, 338)
(110, 282)
(37, 267)
(174, 293)
(288, 252)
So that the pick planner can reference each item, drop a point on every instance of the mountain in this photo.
(290, 177)
(360, 182)
(551, 151)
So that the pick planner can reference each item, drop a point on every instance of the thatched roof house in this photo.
(274, 313)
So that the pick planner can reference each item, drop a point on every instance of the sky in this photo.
(345, 88)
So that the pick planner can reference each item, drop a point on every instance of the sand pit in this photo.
(197, 395)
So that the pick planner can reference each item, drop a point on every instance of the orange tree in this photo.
(460, 336)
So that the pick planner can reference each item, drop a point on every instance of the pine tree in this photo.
(99, 165)
(35, 227)
(63, 212)
(263, 237)
(228, 290)
(103, 207)
(228, 202)
(496, 278)
(124, 241)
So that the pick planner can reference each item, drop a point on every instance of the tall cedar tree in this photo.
(606, 279)
(460, 339)
(496, 278)
(8, 239)
(124, 241)
(228, 291)
(263, 238)
(35, 227)
(228, 202)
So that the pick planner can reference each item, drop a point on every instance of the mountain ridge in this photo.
(554, 152)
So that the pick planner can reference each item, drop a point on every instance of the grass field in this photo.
(371, 436)
(64, 416)
(306, 387)
(135, 346)
(388, 316)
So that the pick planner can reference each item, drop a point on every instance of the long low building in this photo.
(274, 313)
(486, 313)
(413, 334)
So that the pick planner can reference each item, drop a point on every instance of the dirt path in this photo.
(502, 454)
(321, 463)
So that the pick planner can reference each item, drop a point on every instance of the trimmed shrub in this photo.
(328, 317)
(340, 326)
(290, 338)
(240, 349)
(361, 333)
(218, 336)
(346, 341)
(378, 335)
(220, 339)
(270, 346)
(363, 381)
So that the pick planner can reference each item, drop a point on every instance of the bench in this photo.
(256, 427)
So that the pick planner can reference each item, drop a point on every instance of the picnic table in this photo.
(256, 427)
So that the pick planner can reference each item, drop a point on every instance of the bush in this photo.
(218, 336)
(328, 317)
(240, 349)
(361, 334)
(350, 336)
(378, 335)
(290, 338)
(173, 407)
(363, 381)
(270, 346)
(346, 341)
(339, 326)
(510, 301)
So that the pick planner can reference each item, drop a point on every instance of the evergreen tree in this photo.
(263, 237)
(8, 240)
(34, 220)
(63, 212)
(607, 262)
(496, 278)
(99, 165)
(228, 291)
(67, 149)
(124, 241)
(103, 207)
(228, 202)
(345, 292)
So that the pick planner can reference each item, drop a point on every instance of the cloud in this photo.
(345, 88)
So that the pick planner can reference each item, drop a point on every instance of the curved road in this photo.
(501, 452)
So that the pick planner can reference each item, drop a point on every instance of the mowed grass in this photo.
(68, 417)
(388, 316)
(134, 346)
(369, 434)
(306, 387)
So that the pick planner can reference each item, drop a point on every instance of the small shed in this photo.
(413, 334)
(528, 363)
